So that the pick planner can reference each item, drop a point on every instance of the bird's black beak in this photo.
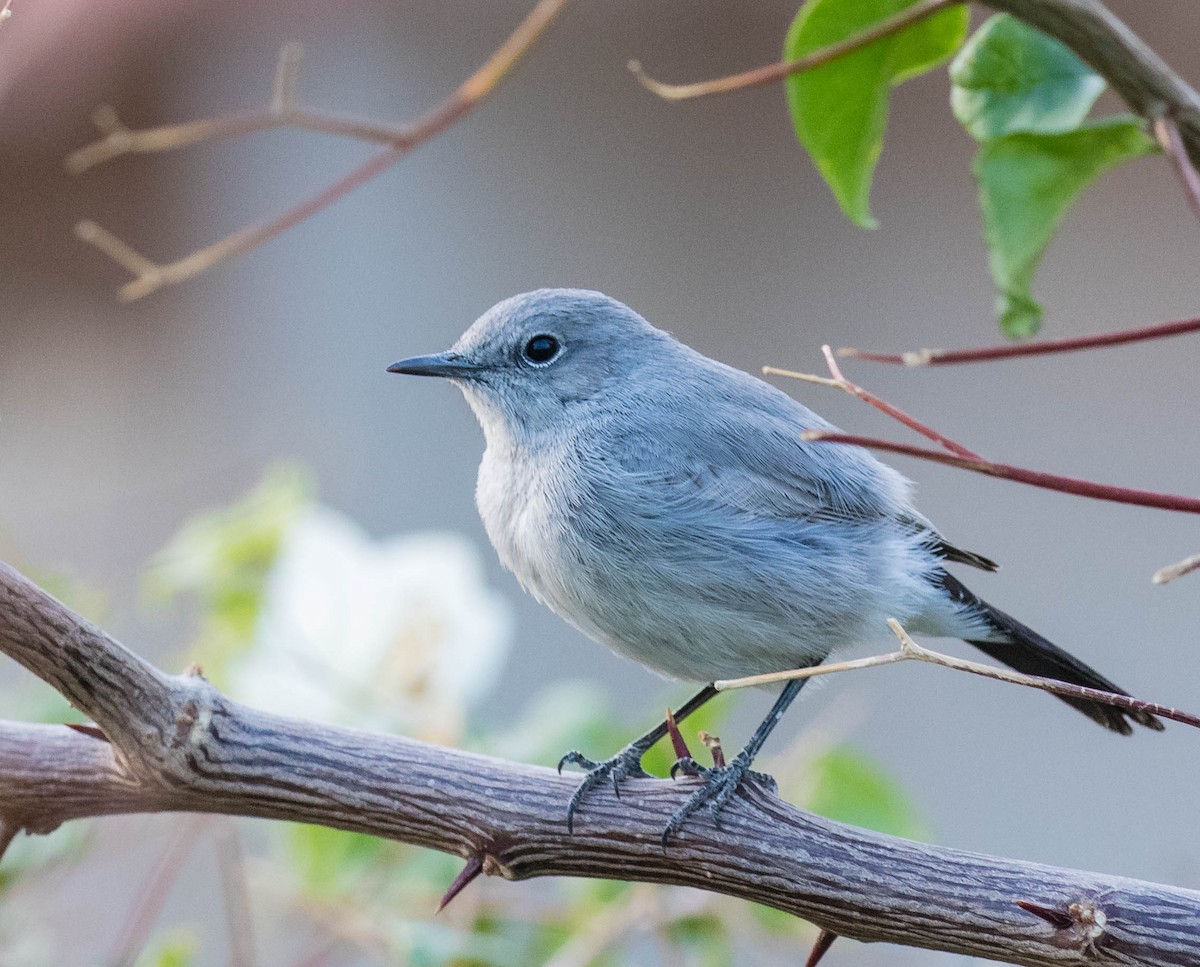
(448, 364)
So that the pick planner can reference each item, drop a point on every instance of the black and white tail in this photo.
(1023, 649)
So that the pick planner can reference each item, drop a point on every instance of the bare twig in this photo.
(773, 73)
(1035, 478)
(1171, 141)
(839, 381)
(400, 141)
(283, 111)
(944, 357)
(911, 651)
(176, 743)
(1177, 570)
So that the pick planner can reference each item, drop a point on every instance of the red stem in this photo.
(944, 357)
(1035, 478)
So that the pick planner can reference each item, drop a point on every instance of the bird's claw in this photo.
(719, 783)
(626, 764)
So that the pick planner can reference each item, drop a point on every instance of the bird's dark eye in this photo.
(541, 349)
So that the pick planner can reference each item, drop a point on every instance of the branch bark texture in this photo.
(176, 743)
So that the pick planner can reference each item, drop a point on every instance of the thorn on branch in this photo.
(1085, 920)
(468, 874)
(820, 947)
(678, 743)
(93, 731)
(9, 827)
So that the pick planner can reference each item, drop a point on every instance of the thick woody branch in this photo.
(178, 744)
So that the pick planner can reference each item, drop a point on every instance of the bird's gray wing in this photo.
(740, 447)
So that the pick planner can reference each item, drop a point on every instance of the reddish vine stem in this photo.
(1166, 131)
(839, 381)
(946, 357)
(1035, 478)
(773, 73)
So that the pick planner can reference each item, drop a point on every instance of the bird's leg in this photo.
(721, 782)
(626, 763)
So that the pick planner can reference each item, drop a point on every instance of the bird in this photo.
(668, 505)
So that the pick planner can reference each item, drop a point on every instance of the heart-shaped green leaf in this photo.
(1010, 77)
(1027, 182)
(840, 109)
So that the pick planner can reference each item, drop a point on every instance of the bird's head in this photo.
(527, 363)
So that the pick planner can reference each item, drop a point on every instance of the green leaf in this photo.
(1027, 182)
(839, 110)
(853, 788)
(330, 862)
(1010, 77)
(173, 948)
(223, 557)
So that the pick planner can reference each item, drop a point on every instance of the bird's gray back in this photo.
(682, 520)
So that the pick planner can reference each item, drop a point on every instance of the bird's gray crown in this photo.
(527, 359)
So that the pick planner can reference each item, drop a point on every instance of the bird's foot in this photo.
(719, 785)
(626, 764)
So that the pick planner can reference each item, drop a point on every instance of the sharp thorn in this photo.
(820, 947)
(1059, 919)
(468, 873)
(90, 730)
(677, 742)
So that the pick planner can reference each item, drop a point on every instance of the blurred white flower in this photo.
(401, 634)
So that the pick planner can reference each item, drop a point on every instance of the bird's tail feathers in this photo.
(1023, 649)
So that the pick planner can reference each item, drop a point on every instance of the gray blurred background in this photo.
(118, 422)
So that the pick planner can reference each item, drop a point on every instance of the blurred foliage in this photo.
(1022, 95)
(171, 948)
(853, 788)
(840, 110)
(223, 557)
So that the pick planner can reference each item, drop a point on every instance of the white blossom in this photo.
(400, 634)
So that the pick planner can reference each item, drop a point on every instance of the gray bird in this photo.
(666, 505)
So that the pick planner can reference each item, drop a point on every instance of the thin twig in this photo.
(772, 73)
(1166, 131)
(944, 357)
(1035, 478)
(1177, 570)
(911, 651)
(839, 381)
(150, 276)
(282, 112)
